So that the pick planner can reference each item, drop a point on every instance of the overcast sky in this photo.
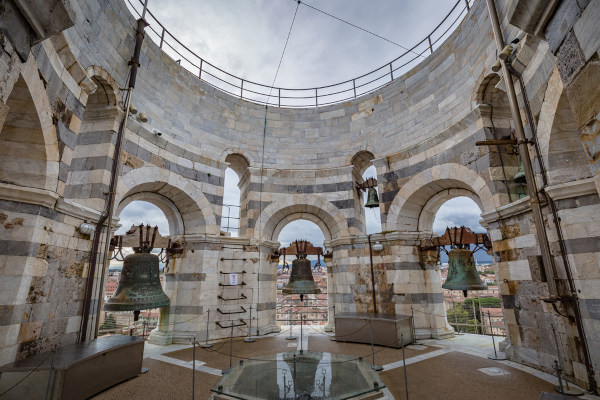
(246, 38)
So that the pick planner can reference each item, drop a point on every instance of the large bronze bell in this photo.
(301, 280)
(462, 274)
(139, 286)
(372, 198)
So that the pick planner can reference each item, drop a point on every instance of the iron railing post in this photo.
(200, 70)
(316, 97)
(391, 73)
(242, 90)
(430, 45)
(354, 86)
(162, 38)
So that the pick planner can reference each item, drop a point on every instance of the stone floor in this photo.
(456, 368)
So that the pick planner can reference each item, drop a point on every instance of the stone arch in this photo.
(480, 90)
(69, 60)
(433, 205)
(238, 152)
(558, 136)
(238, 162)
(304, 216)
(29, 154)
(92, 155)
(197, 214)
(408, 207)
(361, 161)
(169, 209)
(105, 83)
(272, 218)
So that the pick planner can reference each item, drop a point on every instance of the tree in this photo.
(109, 323)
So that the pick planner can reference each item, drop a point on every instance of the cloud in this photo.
(300, 230)
(141, 212)
(246, 37)
(460, 211)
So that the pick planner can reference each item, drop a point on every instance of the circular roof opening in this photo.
(300, 54)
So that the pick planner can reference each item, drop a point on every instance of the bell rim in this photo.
(129, 306)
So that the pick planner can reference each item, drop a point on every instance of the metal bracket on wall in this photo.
(243, 297)
(232, 312)
(230, 326)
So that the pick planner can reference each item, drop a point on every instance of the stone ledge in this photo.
(572, 189)
(22, 194)
(515, 208)
(78, 211)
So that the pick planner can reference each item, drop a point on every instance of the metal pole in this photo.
(206, 344)
(301, 316)
(492, 331)
(558, 375)
(455, 316)
(374, 366)
(194, 368)
(249, 339)
(50, 373)
(524, 154)
(569, 391)
(412, 315)
(474, 313)
(145, 9)
(481, 314)
(494, 356)
(372, 275)
(231, 346)
(404, 363)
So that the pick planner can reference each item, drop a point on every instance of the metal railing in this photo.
(302, 97)
(231, 223)
(470, 315)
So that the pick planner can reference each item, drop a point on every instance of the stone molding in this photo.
(73, 209)
(382, 237)
(22, 194)
(572, 189)
(515, 208)
(556, 192)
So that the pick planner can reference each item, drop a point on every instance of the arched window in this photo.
(235, 199)
(315, 306)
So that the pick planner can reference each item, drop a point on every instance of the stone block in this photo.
(584, 94)
(587, 29)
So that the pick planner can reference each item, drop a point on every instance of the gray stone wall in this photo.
(419, 131)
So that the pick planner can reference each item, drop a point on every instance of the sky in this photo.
(246, 38)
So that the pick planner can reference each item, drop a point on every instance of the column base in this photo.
(435, 333)
(160, 337)
(329, 327)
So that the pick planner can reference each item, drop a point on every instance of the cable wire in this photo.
(31, 372)
(282, 54)
(362, 29)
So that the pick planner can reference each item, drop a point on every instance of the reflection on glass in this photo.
(296, 375)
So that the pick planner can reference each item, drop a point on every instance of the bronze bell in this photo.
(139, 286)
(372, 198)
(520, 175)
(301, 280)
(462, 274)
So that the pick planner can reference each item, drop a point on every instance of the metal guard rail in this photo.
(296, 98)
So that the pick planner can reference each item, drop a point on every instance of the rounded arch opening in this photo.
(467, 314)
(315, 306)
(312, 207)
(235, 190)
(134, 210)
(28, 154)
